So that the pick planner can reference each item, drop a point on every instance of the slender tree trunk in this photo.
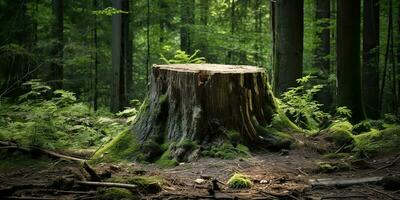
(56, 67)
(398, 60)
(370, 71)
(257, 29)
(387, 52)
(204, 12)
(233, 28)
(148, 42)
(288, 55)
(127, 49)
(187, 19)
(120, 54)
(322, 52)
(96, 59)
(348, 58)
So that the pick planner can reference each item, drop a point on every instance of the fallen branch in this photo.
(106, 184)
(91, 172)
(397, 158)
(344, 182)
(11, 145)
(384, 193)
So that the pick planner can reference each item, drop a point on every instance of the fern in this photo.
(299, 104)
(181, 57)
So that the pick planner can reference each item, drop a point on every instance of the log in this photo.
(345, 182)
(202, 103)
(106, 184)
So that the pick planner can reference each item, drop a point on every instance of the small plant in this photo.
(299, 104)
(343, 113)
(109, 11)
(182, 57)
(239, 181)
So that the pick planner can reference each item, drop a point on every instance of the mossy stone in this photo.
(239, 181)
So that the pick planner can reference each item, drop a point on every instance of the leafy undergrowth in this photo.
(56, 120)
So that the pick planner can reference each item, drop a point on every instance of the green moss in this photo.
(226, 151)
(340, 133)
(375, 141)
(167, 160)
(149, 183)
(188, 144)
(276, 139)
(239, 181)
(325, 167)
(336, 155)
(123, 147)
(163, 99)
(114, 193)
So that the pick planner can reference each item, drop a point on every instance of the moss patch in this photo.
(226, 151)
(340, 133)
(123, 147)
(167, 160)
(361, 127)
(239, 181)
(375, 141)
(115, 194)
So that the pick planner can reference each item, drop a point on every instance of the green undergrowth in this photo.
(114, 193)
(56, 120)
(378, 142)
(239, 181)
(226, 150)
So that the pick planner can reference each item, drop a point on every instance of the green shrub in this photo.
(361, 127)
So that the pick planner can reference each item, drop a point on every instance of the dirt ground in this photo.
(275, 175)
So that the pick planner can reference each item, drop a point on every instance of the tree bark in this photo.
(370, 70)
(56, 67)
(348, 58)
(322, 52)
(288, 38)
(121, 56)
(187, 19)
(204, 12)
(201, 102)
(96, 59)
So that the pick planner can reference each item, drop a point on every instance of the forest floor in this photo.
(274, 175)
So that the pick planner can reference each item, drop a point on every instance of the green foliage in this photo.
(55, 120)
(226, 151)
(361, 127)
(181, 57)
(114, 193)
(299, 104)
(343, 113)
(239, 181)
(109, 11)
(167, 160)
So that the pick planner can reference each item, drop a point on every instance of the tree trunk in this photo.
(121, 44)
(348, 58)
(370, 70)
(202, 102)
(187, 19)
(204, 12)
(288, 37)
(398, 59)
(56, 67)
(323, 52)
(96, 59)
(257, 29)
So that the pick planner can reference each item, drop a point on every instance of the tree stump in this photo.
(203, 103)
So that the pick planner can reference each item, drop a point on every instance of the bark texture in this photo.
(348, 58)
(200, 102)
(288, 44)
(370, 71)
(56, 67)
